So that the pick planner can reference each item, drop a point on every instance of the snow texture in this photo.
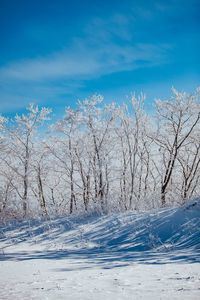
(123, 256)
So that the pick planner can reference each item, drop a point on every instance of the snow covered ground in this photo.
(123, 256)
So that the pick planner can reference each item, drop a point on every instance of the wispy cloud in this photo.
(104, 46)
(98, 52)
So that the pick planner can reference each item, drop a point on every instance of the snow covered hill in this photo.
(72, 245)
(164, 231)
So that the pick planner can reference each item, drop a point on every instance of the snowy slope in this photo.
(166, 231)
(166, 242)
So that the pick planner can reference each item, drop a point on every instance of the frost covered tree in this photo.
(178, 118)
(189, 160)
(101, 157)
(81, 150)
(98, 123)
(63, 151)
(40, 165)
(20, 135)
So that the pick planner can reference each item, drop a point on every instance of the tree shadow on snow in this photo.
(80, 259)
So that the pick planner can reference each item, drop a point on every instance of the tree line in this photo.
(101, 157)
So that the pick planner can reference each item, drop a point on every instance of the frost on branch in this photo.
(101, 157)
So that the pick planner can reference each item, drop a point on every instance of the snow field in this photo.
(123, 256)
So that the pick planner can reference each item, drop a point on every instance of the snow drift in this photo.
(174, 232)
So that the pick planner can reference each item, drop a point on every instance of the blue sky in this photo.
(55, 52)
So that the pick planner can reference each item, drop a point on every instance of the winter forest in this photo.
(101, 157)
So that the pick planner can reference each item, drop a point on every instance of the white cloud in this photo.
(106, 46)
(94, 54)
